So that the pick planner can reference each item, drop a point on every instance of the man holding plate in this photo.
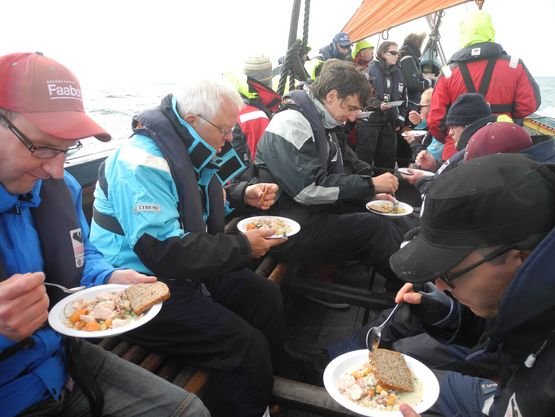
(487, 240)
(167, 219)
(300, 151)
(43, 236)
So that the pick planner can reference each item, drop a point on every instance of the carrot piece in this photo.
(251, 226)
(108, 323)
(92, 326)
(75, 317)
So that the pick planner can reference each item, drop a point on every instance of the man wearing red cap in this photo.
(44, 237)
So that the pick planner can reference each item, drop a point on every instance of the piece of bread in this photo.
(391, 370)
(144, 296)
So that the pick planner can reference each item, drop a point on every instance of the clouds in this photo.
(108, 42)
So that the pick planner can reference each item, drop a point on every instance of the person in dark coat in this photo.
(376, 135)
(492, 262)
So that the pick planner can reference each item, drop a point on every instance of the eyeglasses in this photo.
(225, 132)
(394, 53)
(449, 277)
(39, 152)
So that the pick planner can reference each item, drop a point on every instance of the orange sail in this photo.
(375, 16)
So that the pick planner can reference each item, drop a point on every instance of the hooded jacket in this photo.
(523, 333)
(409, 62)
(511, 89)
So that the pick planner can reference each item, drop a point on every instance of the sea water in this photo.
(113, 109)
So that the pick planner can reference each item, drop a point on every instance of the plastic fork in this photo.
(65, 289)
(375, 333)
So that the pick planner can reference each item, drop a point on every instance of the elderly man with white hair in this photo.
(160, 206)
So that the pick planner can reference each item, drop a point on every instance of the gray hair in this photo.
(206, 97)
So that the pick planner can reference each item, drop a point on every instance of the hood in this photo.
(477, 52)
(359, 46)
(477, 28)
(409, 50)
(531, 292)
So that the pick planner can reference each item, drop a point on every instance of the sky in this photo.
(124, 42)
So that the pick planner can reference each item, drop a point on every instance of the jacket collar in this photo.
(327, 119)
(9, 202)
(477, 52)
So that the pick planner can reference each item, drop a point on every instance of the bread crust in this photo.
(144, 296)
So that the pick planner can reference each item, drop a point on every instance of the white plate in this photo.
(57, 318)
(293, 225)
(395, 103)
(414, 133)
(406, 171)
(408, 208)
(351, 360)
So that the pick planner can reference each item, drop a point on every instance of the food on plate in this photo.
(382, 383)
(144, 296)
(387, 208)
(115, 309)
(275, 223)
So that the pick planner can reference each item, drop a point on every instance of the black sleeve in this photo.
(195, 256)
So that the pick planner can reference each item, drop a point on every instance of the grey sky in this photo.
(109, 42)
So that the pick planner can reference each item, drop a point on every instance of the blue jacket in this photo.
(32, 375)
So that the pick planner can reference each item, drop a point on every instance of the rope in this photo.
(305, 24)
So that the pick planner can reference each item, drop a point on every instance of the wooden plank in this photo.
(305, 397)
(197, 382)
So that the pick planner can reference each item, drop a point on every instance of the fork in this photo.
(375, 333)
(395, 204)
(65, 289)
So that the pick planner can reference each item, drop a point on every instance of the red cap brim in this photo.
(70, 125)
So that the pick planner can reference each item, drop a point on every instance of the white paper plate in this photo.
(395, 103)
(58, 320)
(414, 133)
(408, 208)
(407, 171)
(293, 225)
(351, 360)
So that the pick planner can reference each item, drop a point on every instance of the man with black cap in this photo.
(487, 240)
(340, 47)
(44, 237)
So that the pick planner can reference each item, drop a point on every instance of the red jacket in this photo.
(512, 89)
(252, 122)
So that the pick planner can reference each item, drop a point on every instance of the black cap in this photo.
(493, 200)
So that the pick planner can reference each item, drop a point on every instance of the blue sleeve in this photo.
(96, 270)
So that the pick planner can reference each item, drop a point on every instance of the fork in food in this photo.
(395, 204)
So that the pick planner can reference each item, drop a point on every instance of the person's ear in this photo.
(190, 118)
(331, 96)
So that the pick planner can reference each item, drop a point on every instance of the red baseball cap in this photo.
(48, 95)
(498, 137)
